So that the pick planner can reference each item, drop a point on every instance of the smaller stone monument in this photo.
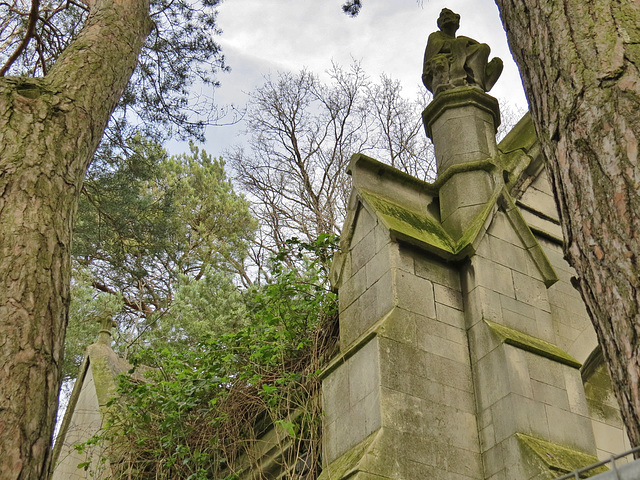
(451, 61)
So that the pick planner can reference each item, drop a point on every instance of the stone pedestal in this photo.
(462, 124)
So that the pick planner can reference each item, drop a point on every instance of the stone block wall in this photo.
(403, 376)
(525, 382)
(570, 322)
(462, 363)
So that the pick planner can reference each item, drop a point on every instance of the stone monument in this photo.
(462, 343)
(465, 353)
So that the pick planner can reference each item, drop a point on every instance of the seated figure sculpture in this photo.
(451, 61)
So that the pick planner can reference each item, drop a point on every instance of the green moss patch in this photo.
(521, 137)
(410, 224)
(348, 464)
(487, 165)
(424, 230)
(532, 344)
(559, 458)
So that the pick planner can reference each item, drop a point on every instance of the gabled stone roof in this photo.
(408, 207)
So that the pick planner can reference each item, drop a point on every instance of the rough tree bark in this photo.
(579, 63)
(49, 130)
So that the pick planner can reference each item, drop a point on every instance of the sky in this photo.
(262, 37)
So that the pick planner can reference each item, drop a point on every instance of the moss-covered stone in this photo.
(532, 344)
(521, 137)
(348, 463)
(416, 227)
(410, 224)
(598, 390)
(487, 165)
(468, 241)
(559, 458)
(106, 367)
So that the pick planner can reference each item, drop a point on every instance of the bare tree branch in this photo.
(303, 133)
(31, 28)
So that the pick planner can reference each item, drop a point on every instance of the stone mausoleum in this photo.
(465, 353)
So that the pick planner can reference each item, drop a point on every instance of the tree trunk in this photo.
(579, 64)
(49, 130)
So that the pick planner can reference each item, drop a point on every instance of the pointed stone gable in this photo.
(411, 216)
(95, 386)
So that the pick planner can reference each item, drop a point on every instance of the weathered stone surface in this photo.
(401, 359)
(492, 276)
(451, 62)
(557, 457)
(542, 224)
(531, 291)
(458, 223)
(508, 254)
(539, 197)
(85, 423)
(448, 296)
(481, 341)
(449, 315)
(575, 393)
(570, 429)
(351, 400)
(478, 331)
(462, 110)
(86, 412)
(363, 251)
(415, 294)
(489, 375)
(371, 306)
(514, 413)
(434, 422)
(501, 228)
(402, 325)
(436, 271)
(465, 189)
(390, 183)
(532, 344)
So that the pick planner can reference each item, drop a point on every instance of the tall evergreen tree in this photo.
(50, 128)
(153, 232)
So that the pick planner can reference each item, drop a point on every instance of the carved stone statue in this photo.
(451, 61)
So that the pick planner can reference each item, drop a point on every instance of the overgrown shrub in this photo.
(200, 411)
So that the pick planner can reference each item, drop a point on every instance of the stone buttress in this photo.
(461, 339)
